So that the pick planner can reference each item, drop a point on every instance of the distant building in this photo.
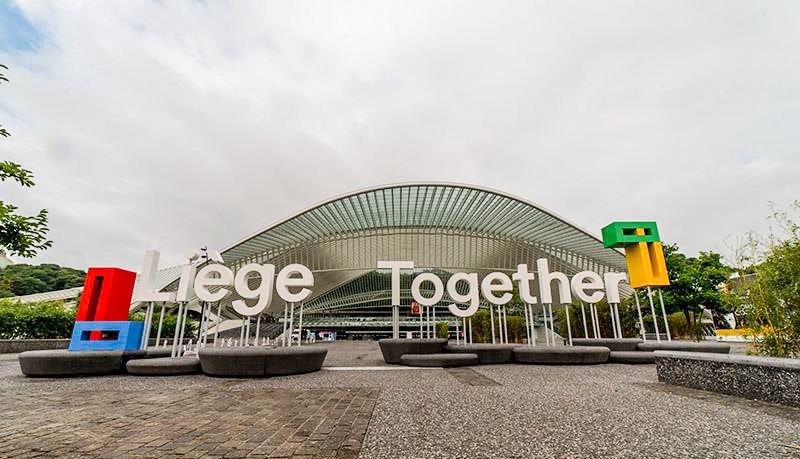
(4, 260)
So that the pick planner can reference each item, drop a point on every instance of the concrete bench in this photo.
(439, 360)
(685, 346)
(631, 357)
(614, 344)
(164, 366)
(762, 378)
(487, 353)
(561, 355)
(394, 349)
(59, 363)
(261, 361)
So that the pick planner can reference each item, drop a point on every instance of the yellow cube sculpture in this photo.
(644, 254)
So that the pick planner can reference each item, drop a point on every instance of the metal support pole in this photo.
(183, 328)
(458, 338)
(470, 330)
(491, 321)
(428, 324)
(300, 328)
(505, 323)
(569, 328)
(598, 334)
(285, 322)
(435, 332)
(177, 330)
(527, 326)
(465, 330)
(583, 314)
(639, 310)
(653, 312)
(291, 323)
(613, 319)
(421, 318)
(619, 321)
(146, 328)
(241, 332)
(395, 321)
(219, 322)
(546, 334)
(533, 324)
(258, 329)
(552, 324)
(160, 323)
(664, 313)
(500, 324)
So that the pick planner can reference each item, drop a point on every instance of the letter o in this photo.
(438, 289)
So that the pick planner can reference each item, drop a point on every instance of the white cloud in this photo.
(172, 125)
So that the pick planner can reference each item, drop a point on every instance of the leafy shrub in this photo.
(442, 330)
(43, 320)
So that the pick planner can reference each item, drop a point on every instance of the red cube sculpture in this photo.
(106, 296)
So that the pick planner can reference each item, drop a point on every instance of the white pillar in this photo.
(491, 321)
(291, 323)
(435, 331)
(527, 326)
(470, 330)
(533, 324)
(653, 312)
(300, 328)
(569, 328)
(183, 328)
(597, 322)
(641, 320)
(219, 321)
(258, 328)
(619, 321)
(177, 330)
(552, 324)
(428, 328)
(505, 323)
(664, 313)
(458, 338)
(160, 323)
(613, 319)
(285, 322)
(583, 314)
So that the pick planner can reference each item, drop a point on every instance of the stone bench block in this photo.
(59, 363)
(561, 355)
(164, 366)
(393, 349)
(439, 360)
(614, 344)
(261, 361)
(686, 346)
(487, 353)
(631, 357)
(762, 378)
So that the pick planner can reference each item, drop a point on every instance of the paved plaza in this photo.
(359, 407)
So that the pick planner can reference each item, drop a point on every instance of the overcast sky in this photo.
(170, 125)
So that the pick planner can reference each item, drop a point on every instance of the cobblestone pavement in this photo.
(504, 411)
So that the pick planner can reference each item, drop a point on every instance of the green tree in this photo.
(772, 300)
(24, 279)
(22, 235)
(694, 282)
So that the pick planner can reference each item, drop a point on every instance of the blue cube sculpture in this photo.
(114, 336)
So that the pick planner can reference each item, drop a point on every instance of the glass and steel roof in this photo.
(432, 206)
